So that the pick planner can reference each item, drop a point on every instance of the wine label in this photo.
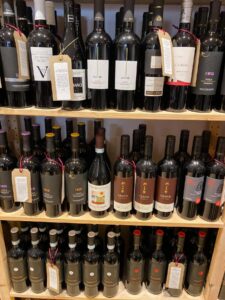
(110, 273)
(79, 84)
(165, 194)
(183, 58)
(72, 271)
(76, 188)
(35, 186)
(135, 271)
(51, 188)
(53, 280)
(208, 73)
(156, 272)
(126, 75)
(193, 188)
(213, 190)
(153, 62)
(6, 191)
(175, 276)
(123, 193)
(99, 196)
(21, 183)
(18, 272)
(11, 72)
(91, 274)
(36, 269)
(154, 86)
(196, 276)
(144, 194)
(40, 57)
(98, 74)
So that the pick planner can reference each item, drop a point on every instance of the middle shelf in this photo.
(87, 218)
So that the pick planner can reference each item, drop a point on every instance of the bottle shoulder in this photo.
(212, 42)
(6, 37)
(195, 164)
(50, 165)
(146, 166)
(183, 39)
(123, 165)
(76, 165)
(127, 38)
(100, 37)
(7, 161)
(41, 37)
(216, 168)
(168, 164)
(151, 40)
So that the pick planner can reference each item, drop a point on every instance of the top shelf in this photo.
(112, 114)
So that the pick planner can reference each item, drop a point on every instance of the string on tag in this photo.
(59, 162)
(40, 26)
(187, 31)
(219, 162)
(21, 163)
(71, 43)
(178, 258)
(129, 162)
(15, 28)
(52, 255)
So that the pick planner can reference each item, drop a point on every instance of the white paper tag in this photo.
(40, 62)
(21, 185)
(126, 75)
(23, 58)
(154, 86)
(175, 277)
(53, 278)
(168, 58)
(98, 74)
(62, 82)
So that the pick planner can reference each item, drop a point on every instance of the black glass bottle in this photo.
(77, 23)
(143, 129)
(38, 150)
(91, 145)
(67, 141)
(44, 237)
(48, 129)
(81, 128)
(22, 16)
(60, 151)
(29, 16)
(25, 239)
(205, 156)
(199, 29)
(135, 154)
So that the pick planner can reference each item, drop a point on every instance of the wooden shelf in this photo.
(110, 219)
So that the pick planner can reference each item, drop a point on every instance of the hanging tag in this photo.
(61, 77)
(21, 183)
(53, 277)
(166, 52)
(63, 187)
(175, 276)
(22, 56)
(196, 63)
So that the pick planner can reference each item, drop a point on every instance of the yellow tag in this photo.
(61, 75)
(175, 276)
(21, 183)
(22, 56)
(196, 63)
(166, 48)
(53, 277)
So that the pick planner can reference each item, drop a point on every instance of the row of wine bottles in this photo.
(123, 74)
(79, 259)
(136, 185)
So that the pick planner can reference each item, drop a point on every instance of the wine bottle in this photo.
(7, 164)
(119, 21)
(22, 16)
(110, 268)
(29, 16)
(36, 263)
(67, 141)
(38, 150)
(60, 151)
(210, 208)
(197, 269)
(203, 95)
(99, 182)
(76, 179)
(30, 162)
(17, 261)
(72, 266)
(42, 45)
(142, 128)
(82, 140)
(166, 181)
(62, 238)
(119, 247)
(144, 25)
(205, 156)
(17, 89)
(222, 290)
(25, 239)
(101, 131)
(123, 180)
(193, 180)
(50, 16)
(135, 154)
(179, 262)
(135, 266)
(91, 268)
(2, 84)
(151, 70)
(177, 89)
(157, 266)
(48, 129)
(99, 52)
(73, 47)
(97, 125)
(127, 51)
(146, 172)
(199, 29)
(51, 179)
(44, 237)
(77, 23)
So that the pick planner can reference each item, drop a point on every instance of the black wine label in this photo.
(153, 62)
(110, 274)
(196, 276)
(193, 188)
(91, 274)
(11, 72)
(76, 188)
(157, 271)
(135, 271)
(72, 271)
(51, 188)
(35, 187)
(6, 191)
(208, 73)
(213, 190)
(36, 269)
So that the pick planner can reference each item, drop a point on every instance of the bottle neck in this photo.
(212, 26)
(3, 150)
(128, 26)
(99, 25)
(40, 23)
(219, 156)
(27, 153)
(10, 20)
(185, 26)
(75, 153)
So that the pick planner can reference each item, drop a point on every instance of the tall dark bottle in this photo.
(69, 129)
(157, 266)
(81, 128)
(127, 51)
(36, 263)
(142, 128)
(99, 181)
(7, 164)
(51, 179)
(99, 54)
(29, 16)
(42, 45)
(44, 237)
(135, 265)
(91, 146)
(193, 180)
(48, 129)
(76, 179)
(166, 181)
(51, 16)
(199, 29)
(61, 152)
(30, 162)
(146, 172)
(17, 89)
(197, 269)
(205, 156)
(17, 261)
(22, 16)
(135, 153)
(203, 95)
(123, 180)
(38, 149)
(177, 89)
(73, 47)
(151, 70)
(77, 23)
(210, 208)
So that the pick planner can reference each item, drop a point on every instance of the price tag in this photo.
(61, 78)
(21, 183)
(196, 63)
(22, 56)
(167, 53)
(53, 283)
(175, 276)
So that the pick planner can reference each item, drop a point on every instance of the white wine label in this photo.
(99, 196)
(126, 75)
(123, 207)
(79, 84)
(154, 86)
(164, 207)
(40, 62)
(98, 74)
(21, 182)
(143, 208)
(62, 83)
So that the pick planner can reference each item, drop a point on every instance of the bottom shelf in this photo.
(121, 295)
